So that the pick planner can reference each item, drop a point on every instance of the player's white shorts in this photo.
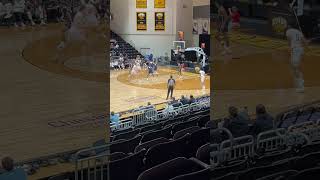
(202, 79)
(296, 56)
(75, 34)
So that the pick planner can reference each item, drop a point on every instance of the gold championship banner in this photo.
(141, 4)
(159, 3)
(141, 21)
(159, 21)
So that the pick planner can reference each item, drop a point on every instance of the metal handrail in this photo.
(99, 160)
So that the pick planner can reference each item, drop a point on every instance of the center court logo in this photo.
(279, 24)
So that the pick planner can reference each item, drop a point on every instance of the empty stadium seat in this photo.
(167, 151)
(229, 176)
(289, 120)
(203, 153)
(63, 176)
(166, 133)
(114, 133)
(258, 172)
(233, 166)
(171, 169)
(125, 146)
(315, 115)
(280, 175)
(269, 158)
(197, 139)
(308, 161)
(117, 155)
(184, 125)
(203, 120)
(156, 126)
(182, 132)
(198, 175)
(149, 144)
(308, 174)
(127, 135)
(315, 147)
(102, 143)
(127, 168)
(305, 115)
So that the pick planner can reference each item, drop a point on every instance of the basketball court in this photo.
(258, 71)
(48, 107)
(128, 93)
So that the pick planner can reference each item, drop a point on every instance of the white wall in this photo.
(160, 42)
(185, 20)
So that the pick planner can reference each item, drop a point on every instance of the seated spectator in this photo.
(264, 121)
(244, 113)
(184, 100)
(174, 102)
(169, 108)
(192, 99)
(11, 173)
(237, 124)
(149, 106)
(2, 11)
(18, 11)
(114, 118)
(8, 17)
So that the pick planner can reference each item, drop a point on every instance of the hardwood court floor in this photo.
(258, 71)
(128, 93)
(45, 108)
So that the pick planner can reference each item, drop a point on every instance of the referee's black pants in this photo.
(170, 91)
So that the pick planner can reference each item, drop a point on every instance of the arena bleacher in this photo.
(183, 146)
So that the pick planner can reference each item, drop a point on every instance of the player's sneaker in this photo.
(300, 86)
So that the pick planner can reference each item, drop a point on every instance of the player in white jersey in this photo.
(202, 78)
(296, 41)
(75, 39)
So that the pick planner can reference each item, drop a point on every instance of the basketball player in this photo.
(202, 78)
(224, 22)
(91, 14)
(75, 35)
(296, 40)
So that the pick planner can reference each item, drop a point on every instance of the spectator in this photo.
(184, 100)
(237, 124)
(192, 99)
(114, 118)
(149, 105)
(175, 103)
(11, 173)
(2, 10)
(264, 121)
(245, 113)
(41, 11)
(30, 8)
(18, 11)
(8, 18)
(169, 108)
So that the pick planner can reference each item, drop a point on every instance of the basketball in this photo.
(197, 69)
